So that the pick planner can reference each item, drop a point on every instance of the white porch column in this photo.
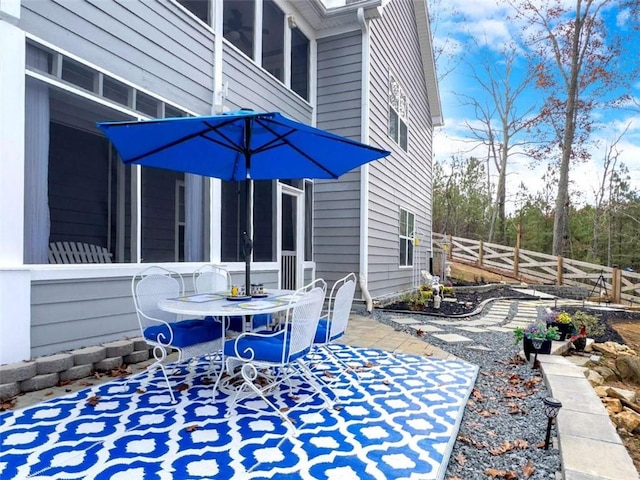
(15, 280)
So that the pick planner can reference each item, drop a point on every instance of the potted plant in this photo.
(536, 333)
(586, 326)
(563, 321)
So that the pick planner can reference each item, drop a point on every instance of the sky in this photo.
(473, 29)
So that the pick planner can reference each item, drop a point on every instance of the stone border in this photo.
(49, 371)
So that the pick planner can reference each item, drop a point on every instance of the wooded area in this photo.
(607, 234)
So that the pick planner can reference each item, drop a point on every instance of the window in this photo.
(273, 40)
(180, 222)
(299, 63)
(407, 233)
(200, 8)
(398, 114)
(116, 91)
(233, 220)
(147, 104)
(79, 75)
(238, 19)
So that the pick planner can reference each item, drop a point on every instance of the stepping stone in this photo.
(451, 337)
(426, 328)
(405, 320)
(473, 329)
(500, 329)
(482, 348)
(443, 322)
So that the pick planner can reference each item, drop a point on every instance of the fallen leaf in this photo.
(207, 381)
(491, 433)
(141, 390)
(337, 408)
(521, 444)
(419, 332)
(93, 401)
(7, 405)
(182, 387)
(477, 395)
(460, 458)
(485, 413)
(64, 383)
(86, 384)
(540, 444)
(48, 394)
(97, 374)
(328, 374)
(192, 428)
(386, 382)
(293, 397)
(532, 382)
(528, 469)
(504, 448)
(285, 409)
(495, 473)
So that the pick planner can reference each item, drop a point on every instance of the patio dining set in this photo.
(253, 344)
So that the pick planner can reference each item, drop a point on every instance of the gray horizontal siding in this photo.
(404, 178)
(152, 43)
(252, 87)
(78, 313)
(337, 202)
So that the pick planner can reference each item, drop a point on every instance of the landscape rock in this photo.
(628, 395)
(606, 372)
(613, 405)
(627, 419)
(629, 367)
(601, 390)
(594, 377)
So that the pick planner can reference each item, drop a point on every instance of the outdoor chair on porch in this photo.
(280, 354)
(165, 331)
(333, 325)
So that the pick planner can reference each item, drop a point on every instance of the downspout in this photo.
(364, 169)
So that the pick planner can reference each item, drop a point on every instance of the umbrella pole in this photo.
(248, 244)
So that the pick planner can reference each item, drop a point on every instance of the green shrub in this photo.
(591, 322)
(447, 292)
(426, 294)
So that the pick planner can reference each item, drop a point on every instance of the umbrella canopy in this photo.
(236, 146)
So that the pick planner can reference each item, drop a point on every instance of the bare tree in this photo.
(574, 54)
(501, 118)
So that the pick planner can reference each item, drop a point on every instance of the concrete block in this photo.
(118, 348)
(89, 355)
(596, 458)
(137, 357)
(9, 390)
(108, 364)
(139, 344)
(54, 363)
(76, 372)
(16, 372)
(40, 382)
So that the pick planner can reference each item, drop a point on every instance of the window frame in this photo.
(398, 120)
(406, 236)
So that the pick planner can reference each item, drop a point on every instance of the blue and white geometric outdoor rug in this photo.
(398, 420)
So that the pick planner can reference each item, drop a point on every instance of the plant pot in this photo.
(528, 347)
(580, 343)
(565, 330)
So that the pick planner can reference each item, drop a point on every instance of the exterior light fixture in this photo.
(551, 409)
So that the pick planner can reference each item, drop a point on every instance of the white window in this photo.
(398, 114)
(407, 234)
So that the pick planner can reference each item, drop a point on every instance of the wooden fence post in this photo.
(450, 253)
(480, 253)
(559, 278)
(616, 285)
(516, 252)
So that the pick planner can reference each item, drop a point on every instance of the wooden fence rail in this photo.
(528, 266)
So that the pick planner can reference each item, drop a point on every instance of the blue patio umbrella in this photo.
(239, 146)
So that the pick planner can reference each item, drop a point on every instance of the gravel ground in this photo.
(504, 421)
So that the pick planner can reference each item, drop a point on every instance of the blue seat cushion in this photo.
(266, 349)
(235, 322)
(321, 332)
(185, 332)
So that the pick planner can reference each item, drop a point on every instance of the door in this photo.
(290, 236)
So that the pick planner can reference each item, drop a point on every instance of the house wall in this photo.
(404, 178)
(159, 47)
(336, 234)
(152, 43)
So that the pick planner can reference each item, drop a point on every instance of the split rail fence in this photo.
(619, 286)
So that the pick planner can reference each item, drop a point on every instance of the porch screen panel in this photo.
(78, 186)
(233, 221)
(160, 215)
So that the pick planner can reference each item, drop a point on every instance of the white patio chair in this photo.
(281, 353)
(333, 325)
(164, 331)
